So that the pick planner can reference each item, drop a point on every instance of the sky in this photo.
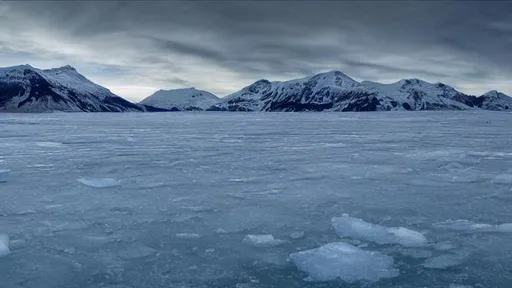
(137, 47)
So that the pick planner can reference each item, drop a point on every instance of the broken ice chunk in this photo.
(470, 226)
(297, 235)
(49, 144)
(262, 240)
(347, 226)
(4, 174)
(187, 235)
(344, 261)
(4, 245)
(99, 182)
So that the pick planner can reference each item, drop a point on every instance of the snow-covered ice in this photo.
(262, 240)
(4, 245)
(346, 226)
(298, 171)
(344, 261)
(4, 175)
(99, 182)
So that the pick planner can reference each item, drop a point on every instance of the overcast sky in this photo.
(135, 48)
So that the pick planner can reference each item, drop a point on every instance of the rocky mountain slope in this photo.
(28, 89)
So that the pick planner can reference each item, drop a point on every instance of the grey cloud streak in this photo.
(223, 46)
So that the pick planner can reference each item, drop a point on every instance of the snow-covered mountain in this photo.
(335, 91)
(415, 94)
(332, 91)
(181, 99)
(494, 100)
(28, 89)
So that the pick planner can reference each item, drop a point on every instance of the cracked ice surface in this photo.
(168, 199)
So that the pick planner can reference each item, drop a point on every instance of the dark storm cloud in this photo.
(224, 45)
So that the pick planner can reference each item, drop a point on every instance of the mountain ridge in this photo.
(335, 91)
(24, 88)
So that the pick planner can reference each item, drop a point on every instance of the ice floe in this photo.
(188, 236)
(347, 226)
(470, 226)
(4, 245)
(344, 261)
(49, 144)
(4, 175)
(99, 182)
(297, 235)
(262, 240)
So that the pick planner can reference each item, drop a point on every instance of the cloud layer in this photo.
(135, 48)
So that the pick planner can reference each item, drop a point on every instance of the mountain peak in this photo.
(18, 67)
(28, 89)
(492, 93)
(412, 81)
(67, 67)
(332, 73)
(181, 99)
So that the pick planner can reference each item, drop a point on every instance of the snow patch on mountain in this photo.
(181, 99)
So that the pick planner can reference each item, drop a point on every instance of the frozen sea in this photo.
(179, 199)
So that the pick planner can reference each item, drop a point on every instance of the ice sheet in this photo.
(297, 172)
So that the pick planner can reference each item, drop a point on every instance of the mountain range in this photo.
(27, 89)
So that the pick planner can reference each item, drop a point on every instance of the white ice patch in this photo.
(503, 179)
(4, 245)
(99, 182)
(344, 261)
(188, 236)
(347, 226)
(444, 246)
(4, 175)
(297, 235)
(470, 226)
(443, 261)
(262, 240)
(49, 144)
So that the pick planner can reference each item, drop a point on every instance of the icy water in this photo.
(166, 200)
